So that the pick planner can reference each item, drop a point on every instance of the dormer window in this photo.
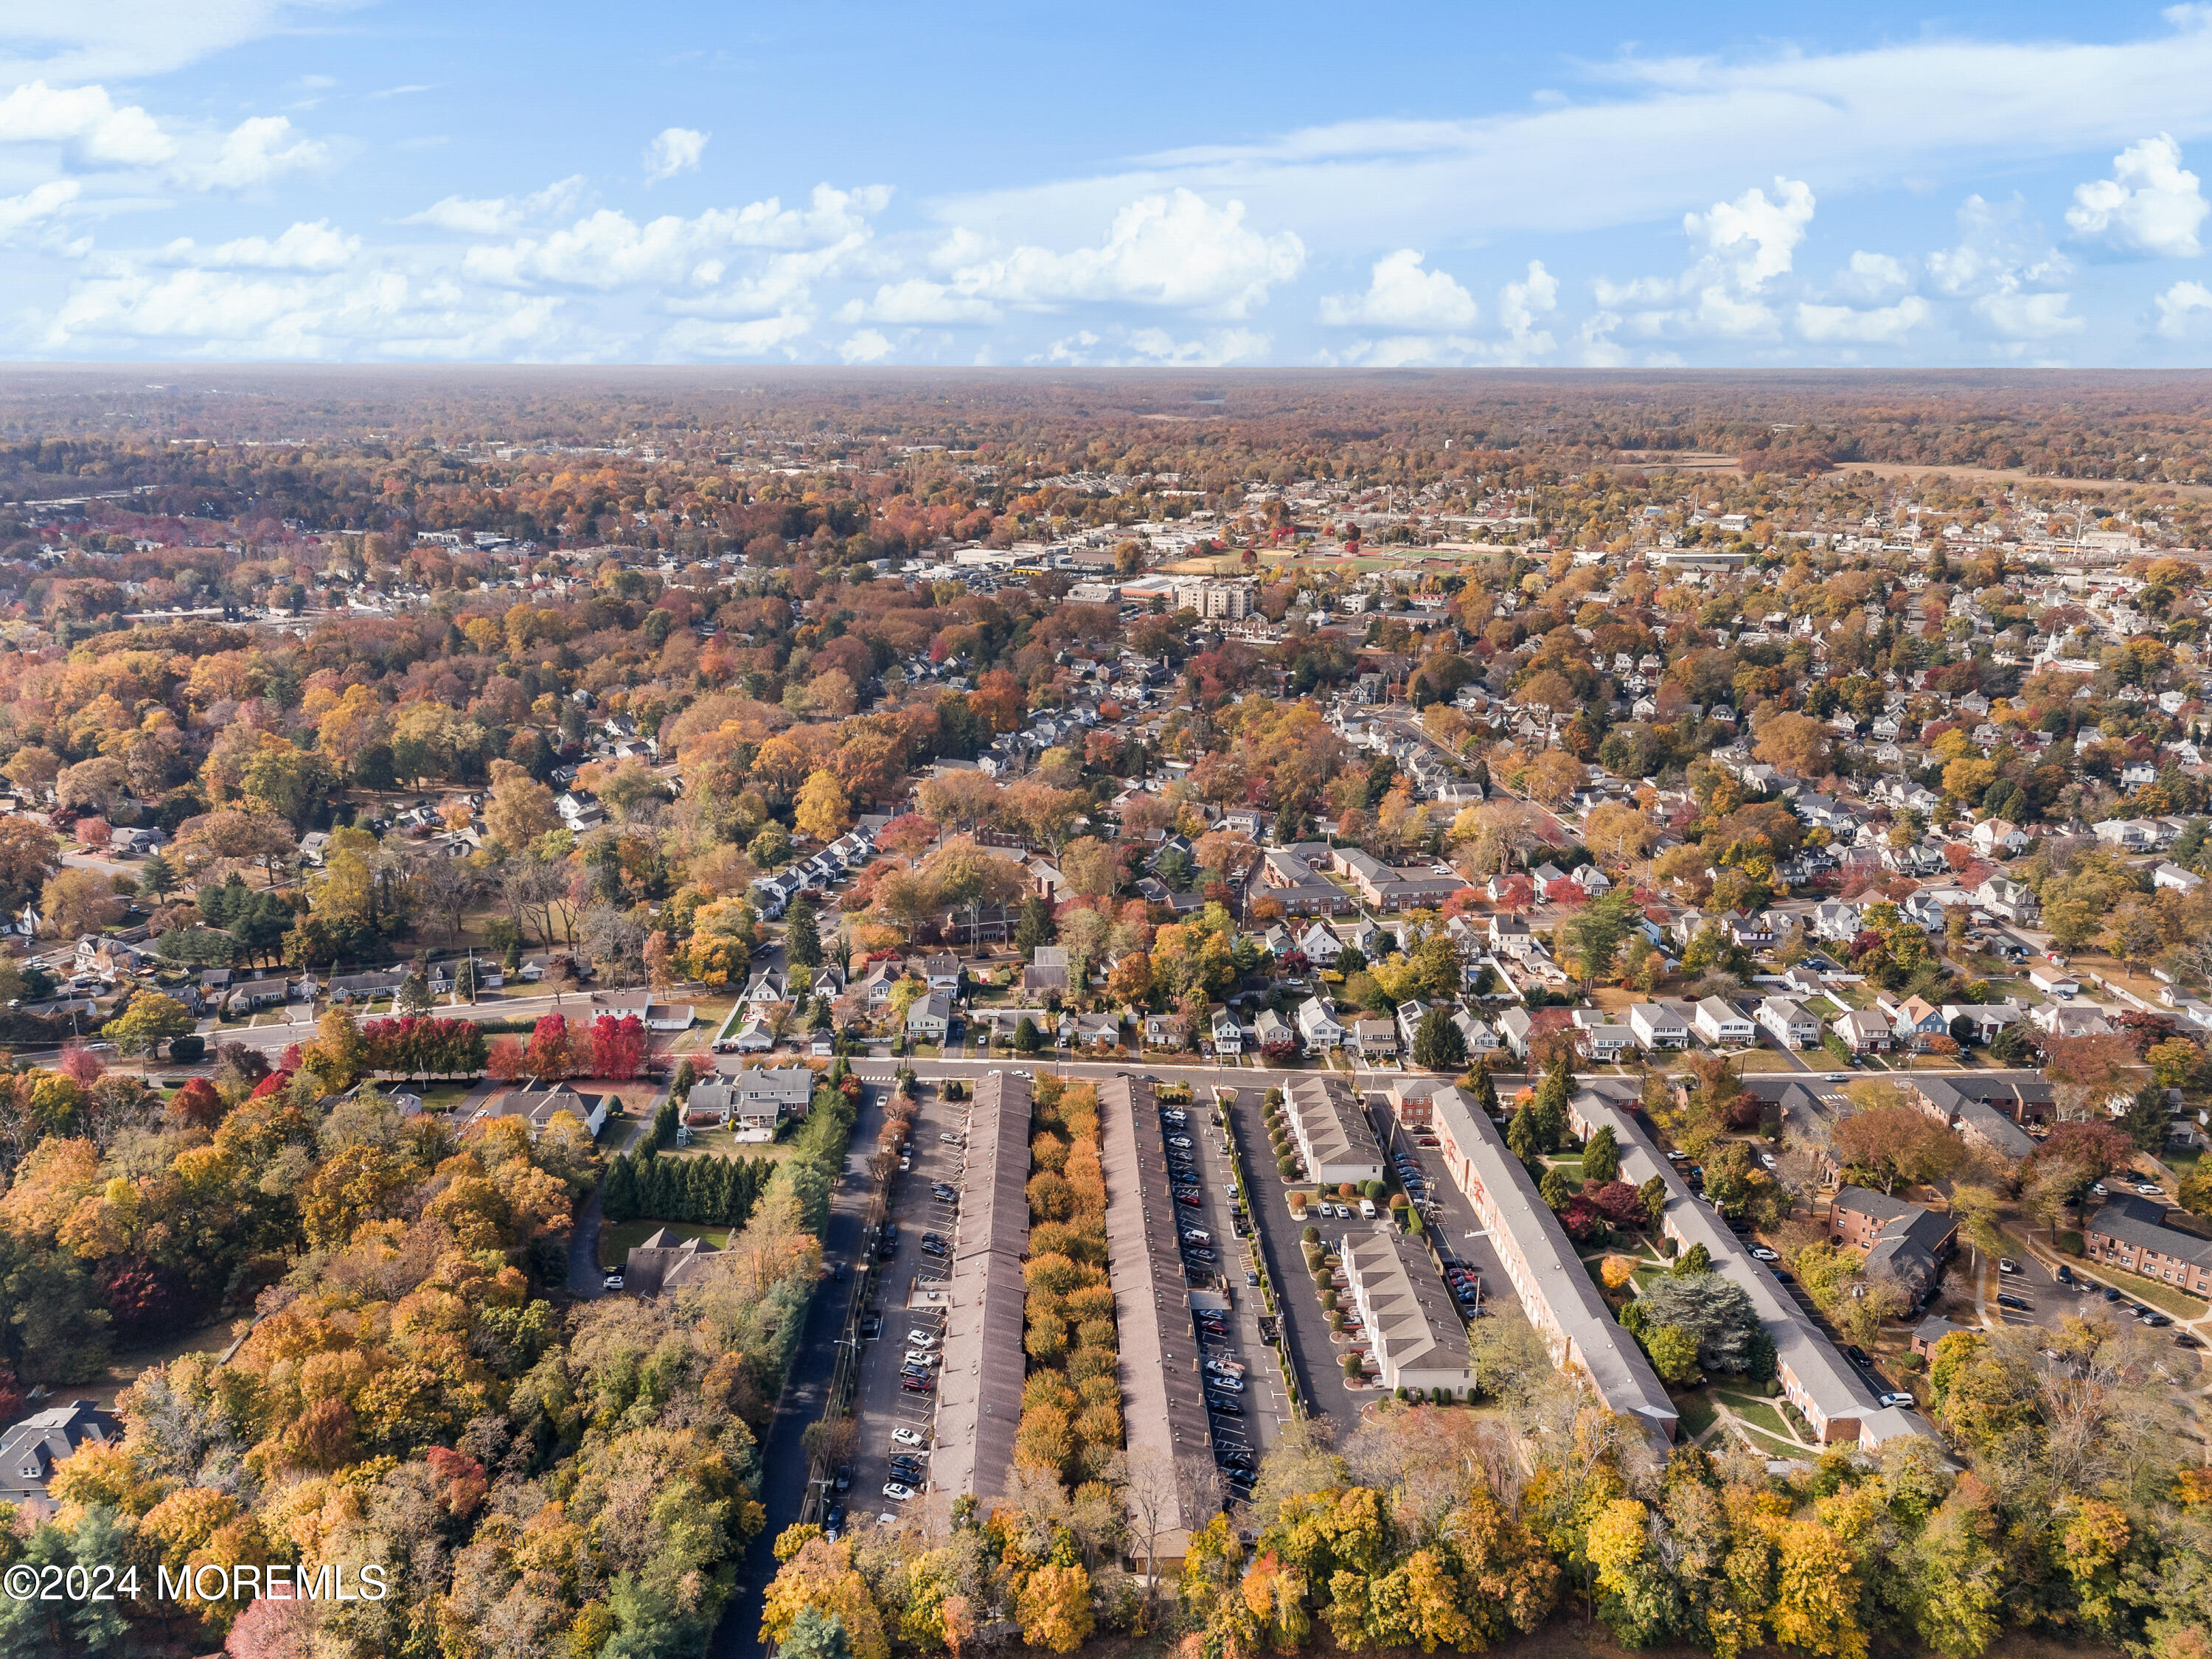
(29, 1471)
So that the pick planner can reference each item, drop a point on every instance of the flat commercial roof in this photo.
(1822, 1374)
(1609, 1356)
(979, 1389)
(1163, 1399)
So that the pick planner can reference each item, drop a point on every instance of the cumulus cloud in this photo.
(1743, 246)
(501, 216)
(1173, 250)
(1826, 324)
(917, 302)
(2005, 266)
(36, 206)
(1871, 279)
(1227, 345)
(2184, 311)
(218, 313)
(609, 250)
(1401, 294)
(759, 337)
(2151, 205)
(316, 247)
(2028, 317)
(1519, 305)
(85, 122)
(676, 149)
(256, 152)
(868, 346)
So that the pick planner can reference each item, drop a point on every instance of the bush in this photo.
(1373, 1189)
(1324, 1278)
(187, 1050)
(1287, 1167)
(1351, 1368)
(1311, 1235)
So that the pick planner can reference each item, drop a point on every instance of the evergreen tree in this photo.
(618, 1192)
(802, 937)
(1035, 926)
(1439, 1044)
(1551, 1105)
(1601, 1157)
(1026, 1037)
(1520, 1134)
(1557, 1188)
(1486, 1090)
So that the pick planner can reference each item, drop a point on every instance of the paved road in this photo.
(585, 1278)
(1459, 1235)
(783, 1487)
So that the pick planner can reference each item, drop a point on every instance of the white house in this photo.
(2173, 876)
(1787, 1022)
(1316, 1026)
(2054, 982)
(1720, 1024)
(1659, 1025)
(1863, 1031)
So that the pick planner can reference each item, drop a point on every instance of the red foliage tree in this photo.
(11, 1395)
(1618, 1202)
(2097, 1148)
(80, 1066)
(506, 1061)
(279, 1080)
(548, 1054)
(197, 1105)
(617, 1046)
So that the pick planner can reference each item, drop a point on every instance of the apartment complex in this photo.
(1332, 1131)
(1163, 1395)
(1555, 1291)
(1420, 1342)
(2132, 1233)
(979, 1395)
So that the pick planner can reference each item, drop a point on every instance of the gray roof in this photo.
(45, 1439)
(1163, 1400)
(2141, 1222)
(1821, 1374)
(1330, 1122)
(978, 1400)
(1587, 1333)
(2001, 1134)
(1413, 1326)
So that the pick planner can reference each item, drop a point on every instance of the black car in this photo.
(844, 1477)
(1224, 1404)
(935, 1247)
(2111, 1295)
(945, 1191)
(1856, 1354)
(908, 1471)
(871, 1326)
(2018, 1303)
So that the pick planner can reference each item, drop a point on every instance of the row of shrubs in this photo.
(1071, 1423)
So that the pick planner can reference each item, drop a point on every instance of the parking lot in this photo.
(890, 1419)
(1459, 1237)
(1222, 1270)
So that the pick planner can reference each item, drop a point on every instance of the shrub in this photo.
(1345, 1189)
(1287, 1167)
(1351, 1368)
(187, 1050)
(1311, 1235)
(1373, 1189)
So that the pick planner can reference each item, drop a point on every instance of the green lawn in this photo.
(1771, 1446)
(1758, 1413)
(2160, 1296)
(619, 1238)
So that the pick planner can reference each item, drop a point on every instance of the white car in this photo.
(923, 1357)
(2149, 1189)
(2007, 1265)
(1897, 1400)
(909, 1438)
(922, 1339)
(1760, 1253)
(1224, 1367)
(898, 1491)
(1224, 1380)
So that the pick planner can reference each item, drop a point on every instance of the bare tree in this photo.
(447, 887)
(1151, 1494)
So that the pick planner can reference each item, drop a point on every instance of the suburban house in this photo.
(1047, 971)
(1228, 1034)
(1374, 1037)
(929, 1017)
(33, 1448)
(663, 1261)
(539, 1106)
(1271, 1030)
(1598, 1036)
(1788, 1022)
(2131, 1233)
(1317, 1027)
(1166, 1031)
(1657, 1025)
(1721, 1024)
(1863, 1031)
(2014, 901)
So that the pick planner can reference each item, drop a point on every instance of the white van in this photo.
(1367, 1208)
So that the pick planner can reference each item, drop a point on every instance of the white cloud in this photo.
(610, 250)
(1170, 250)
(1746, 245)
(2150, 206)
(223, 315)
(35, 205)
(2028, 316)
(917, 302)
(868, 346)
(696, 337)
(316, 247)
(1519, 304)
(676, 149)
(1870, 278)
(2184, 311)
(1879, 326)
(1073, 349)
(1401, 294)
(88, 123)
(1752, 236)
(1228, 346)
(256, 152)
(501, 216)
(1998, 251)
(72, 41)
(407, 91)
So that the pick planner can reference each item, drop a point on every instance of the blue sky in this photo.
(1290, 185)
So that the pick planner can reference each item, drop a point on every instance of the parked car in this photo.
(2017, 1303)
(898, 1491)
(909, 1438)
(1897, 1400)
(922, 1339)
(2007, 1265)
(611, 1282)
